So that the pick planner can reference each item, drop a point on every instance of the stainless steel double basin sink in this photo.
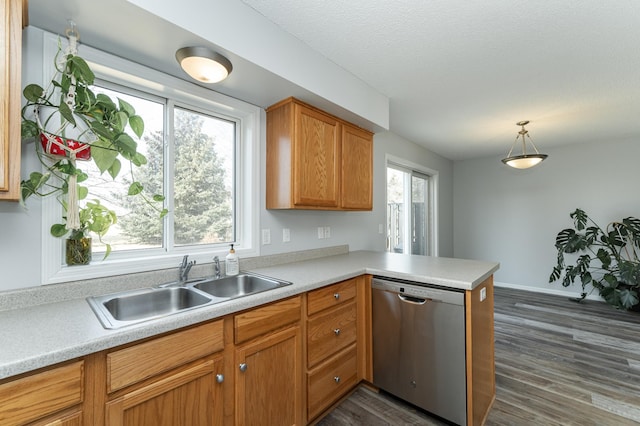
(131, 307)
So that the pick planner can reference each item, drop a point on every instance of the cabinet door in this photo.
(316, 159)
(269, 380)
(11, 16)
(191, 396)
(357, 168)
(42, 394)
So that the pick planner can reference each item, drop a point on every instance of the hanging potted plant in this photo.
(70, 123)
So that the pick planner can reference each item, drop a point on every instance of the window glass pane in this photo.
(395, 210)
(138, 224)
(204, 171)
(419, 215)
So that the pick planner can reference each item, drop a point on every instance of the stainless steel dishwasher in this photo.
(419, 346)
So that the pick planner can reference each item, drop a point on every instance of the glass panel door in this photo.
(407, 211)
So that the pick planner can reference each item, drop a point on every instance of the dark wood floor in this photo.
(558, 362)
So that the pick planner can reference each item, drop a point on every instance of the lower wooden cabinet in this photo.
(282, 363)
(53, 396)
(331, 380)
(268, 364)
(268, 380)
(189, 396)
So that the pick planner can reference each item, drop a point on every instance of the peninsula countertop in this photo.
(41, 335)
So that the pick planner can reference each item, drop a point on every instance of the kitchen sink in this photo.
(239, 285)
(132, 307)
(117, 310)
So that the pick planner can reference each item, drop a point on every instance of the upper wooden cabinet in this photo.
(13, 16)
(316, 161)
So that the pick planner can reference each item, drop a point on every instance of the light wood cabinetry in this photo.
(332, 349)
(172, 380)
(53, 396)
(286, 362)
(481, 373)
(316, 161)
(357, 168)
(268, 360)
(13, 15)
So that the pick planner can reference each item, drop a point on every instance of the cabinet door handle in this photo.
(337, 331)
(219, 378)
(336, 296)
(243, 367)
(336, 379)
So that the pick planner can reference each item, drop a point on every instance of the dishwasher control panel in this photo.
(416, 290)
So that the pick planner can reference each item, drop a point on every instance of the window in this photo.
(410, 209)
(202, 152)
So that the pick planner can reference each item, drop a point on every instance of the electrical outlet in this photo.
(286, 235)
(266, 236)
(320, 232)
(483, 293)
(327, 232)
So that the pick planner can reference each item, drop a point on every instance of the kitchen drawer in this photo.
(329, 332)
(136, 363)
(259, 321)
(333, 295)
(330, 380)
(31, 397)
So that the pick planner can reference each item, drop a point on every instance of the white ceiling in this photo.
(458, 74)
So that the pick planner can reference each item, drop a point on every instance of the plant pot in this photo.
(60, 137)
(78, 251)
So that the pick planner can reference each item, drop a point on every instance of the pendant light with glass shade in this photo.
(524, 160)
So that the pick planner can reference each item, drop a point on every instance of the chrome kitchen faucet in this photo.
(185, 267)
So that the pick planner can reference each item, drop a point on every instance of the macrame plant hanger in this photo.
(57, 139)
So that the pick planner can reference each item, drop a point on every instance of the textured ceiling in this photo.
(460, 74)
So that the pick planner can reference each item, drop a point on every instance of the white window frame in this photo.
(433, 184)
(248, 118)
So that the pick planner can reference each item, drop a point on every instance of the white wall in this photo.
(21, 231)
(512, 216)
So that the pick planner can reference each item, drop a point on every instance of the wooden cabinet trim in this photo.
(38, 395)
(262, 320)
(135, 363)
(481, 384)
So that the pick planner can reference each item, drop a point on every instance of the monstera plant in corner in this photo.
(605, 259)
(70, 123)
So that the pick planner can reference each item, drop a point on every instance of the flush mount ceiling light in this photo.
(524, 160)
(204, 64)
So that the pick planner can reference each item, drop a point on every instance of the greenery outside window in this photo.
(202, 151)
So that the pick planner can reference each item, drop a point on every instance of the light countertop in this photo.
(38, 336)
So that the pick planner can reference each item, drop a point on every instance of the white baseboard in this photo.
(553, 291)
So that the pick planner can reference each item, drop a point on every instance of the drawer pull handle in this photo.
(336, 296)
(243, 367)
(219, 378)
(336, 379)
(337, 331)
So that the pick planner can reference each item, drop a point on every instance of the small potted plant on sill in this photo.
(71, 123)
(94, 218)
(615, 253)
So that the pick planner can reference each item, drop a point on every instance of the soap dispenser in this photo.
(231, 264)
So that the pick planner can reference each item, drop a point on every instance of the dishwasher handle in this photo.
(413, 300)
